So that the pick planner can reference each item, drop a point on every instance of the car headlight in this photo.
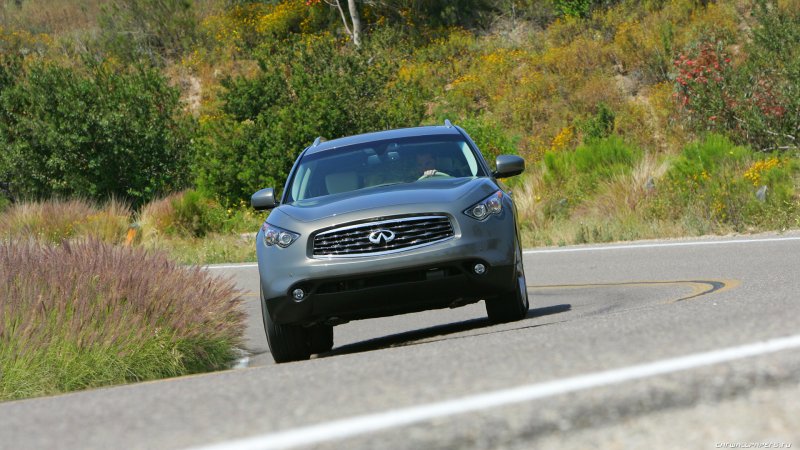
(278, 236)
(492, 204)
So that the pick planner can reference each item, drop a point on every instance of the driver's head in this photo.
(425, 161)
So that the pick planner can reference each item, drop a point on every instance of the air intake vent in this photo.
(382, 236)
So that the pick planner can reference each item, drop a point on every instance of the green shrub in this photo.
(572, 176)
(700, 160)
(600, 125)
(604, 156)
(420, 15)
(307, 87)
(573, 8)
(579, 8)
(192, 214)
(106, 131)
(197, 215)
(716, 181)
(597, 158)
(88, 314)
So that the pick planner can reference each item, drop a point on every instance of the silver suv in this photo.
(386, 223)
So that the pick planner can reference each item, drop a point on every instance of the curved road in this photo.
(666, 343)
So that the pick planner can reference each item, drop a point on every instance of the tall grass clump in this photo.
(55, 220)
(85, 314)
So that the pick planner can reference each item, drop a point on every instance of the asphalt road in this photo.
(662, 344)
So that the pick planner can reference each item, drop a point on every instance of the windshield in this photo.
(380, 163)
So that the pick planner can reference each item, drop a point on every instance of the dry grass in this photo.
(623, 194)
(56, 220)
(528, 198)
(51, 16)
(87, 313)
(617, 212)
(157, 218)
(159, 229)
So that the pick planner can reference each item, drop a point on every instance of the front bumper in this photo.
(435, 276)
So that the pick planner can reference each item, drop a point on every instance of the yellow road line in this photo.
(699, 287)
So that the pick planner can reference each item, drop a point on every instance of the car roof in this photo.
(437, 130)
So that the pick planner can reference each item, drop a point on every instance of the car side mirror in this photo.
(508, 166)
(264, 199)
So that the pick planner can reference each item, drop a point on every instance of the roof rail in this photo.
(318, 141)
(447, 123)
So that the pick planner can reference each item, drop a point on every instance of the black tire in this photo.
(320, 338)
(286, 342)
(513, 305)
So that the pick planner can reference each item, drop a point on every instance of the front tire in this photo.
(513, 305)
(320, 338)
(286, 342)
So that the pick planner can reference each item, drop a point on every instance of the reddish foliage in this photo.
(695, 74)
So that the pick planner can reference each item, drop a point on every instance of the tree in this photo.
(353, 28)
(92, 132)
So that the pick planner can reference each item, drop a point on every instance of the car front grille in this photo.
(382, 236)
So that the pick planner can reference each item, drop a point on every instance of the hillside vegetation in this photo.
(637, 119)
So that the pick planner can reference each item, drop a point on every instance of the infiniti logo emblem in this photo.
(381, 236)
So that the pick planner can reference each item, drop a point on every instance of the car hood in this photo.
(425, 192)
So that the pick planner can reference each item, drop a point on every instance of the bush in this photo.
(716, 181)
(192, 214)
(571, 176)
(241, 28)
(599, 126)
(89, 314)
(105, 131)
(574, 8)
(597, 158)
(307, 87)
(753, 101)
(197, 215)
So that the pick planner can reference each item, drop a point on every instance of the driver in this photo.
(426, 164)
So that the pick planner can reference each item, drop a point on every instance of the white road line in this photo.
(230, 266)
(359, 425)
(656, 245)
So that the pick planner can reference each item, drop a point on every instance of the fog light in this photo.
(298, 294)
(479, 269)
